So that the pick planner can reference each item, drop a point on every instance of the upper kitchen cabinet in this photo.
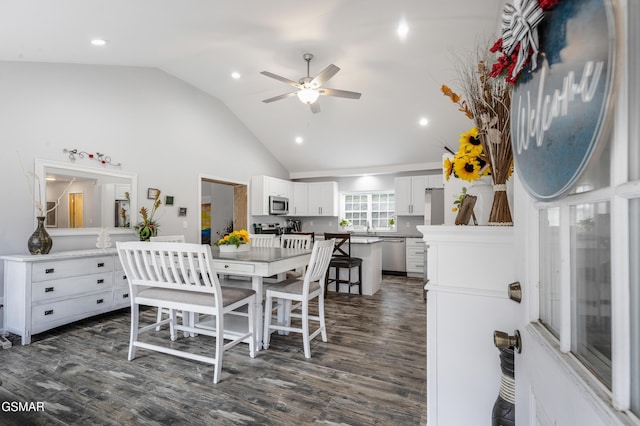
(264, 186)
(323, 198)
(410, 195)
(435, 181)
(299, 205)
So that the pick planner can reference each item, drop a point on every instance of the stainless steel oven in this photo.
(278, 205)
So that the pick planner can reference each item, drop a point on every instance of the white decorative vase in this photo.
(483, 189)
(231, 248)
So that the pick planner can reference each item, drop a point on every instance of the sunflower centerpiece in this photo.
(234, 241)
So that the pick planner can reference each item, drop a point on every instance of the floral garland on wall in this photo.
(99, 157)
(519, 44)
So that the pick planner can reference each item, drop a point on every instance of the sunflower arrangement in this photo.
(470, 162)
(486, 148)
(235, 238)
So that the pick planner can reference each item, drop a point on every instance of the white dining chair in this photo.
(296, 241)
(167, 239)
(299, 293)
(263, 240)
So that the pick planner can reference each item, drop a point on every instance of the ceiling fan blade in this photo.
(340, 93)
(315, 107)
(324, 75)
(282, 79)
(277, 98)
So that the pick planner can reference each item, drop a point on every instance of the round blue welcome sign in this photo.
(559, 110)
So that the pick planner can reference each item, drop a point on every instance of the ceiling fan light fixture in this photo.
(307, 95)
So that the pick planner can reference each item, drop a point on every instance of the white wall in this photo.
(157, 126)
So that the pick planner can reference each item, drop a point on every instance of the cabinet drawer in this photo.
(415, 242)
(121, 297)
(56, 269)
(415, 267)
(227, 267)
(120, 280)
(415, 251)
(55, 311)
(53, 289)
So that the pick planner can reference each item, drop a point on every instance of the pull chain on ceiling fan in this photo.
(309, 88)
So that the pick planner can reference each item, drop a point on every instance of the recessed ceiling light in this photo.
(235, 75)
(423, 122)
(403, 30)
(98, 42)
(299, 139)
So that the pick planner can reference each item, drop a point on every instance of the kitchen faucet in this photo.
(369, 227)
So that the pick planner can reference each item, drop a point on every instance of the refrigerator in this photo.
(434, 206)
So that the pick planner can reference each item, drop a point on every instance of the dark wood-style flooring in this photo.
(370, 372)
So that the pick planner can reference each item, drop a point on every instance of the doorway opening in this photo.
(75, 210)
(223, 208)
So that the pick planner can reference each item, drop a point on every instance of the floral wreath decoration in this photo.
(519, 44)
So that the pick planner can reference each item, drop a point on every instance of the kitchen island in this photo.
(369, 249)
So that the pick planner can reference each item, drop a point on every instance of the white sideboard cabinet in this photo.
(47, 291)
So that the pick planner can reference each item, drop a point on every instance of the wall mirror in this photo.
(90, 198)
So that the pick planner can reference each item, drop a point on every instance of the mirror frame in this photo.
(40, 171)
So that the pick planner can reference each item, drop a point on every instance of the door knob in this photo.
(503, 340)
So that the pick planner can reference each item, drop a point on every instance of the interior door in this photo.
(75, 210)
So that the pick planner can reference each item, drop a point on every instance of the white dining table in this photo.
(257, 263)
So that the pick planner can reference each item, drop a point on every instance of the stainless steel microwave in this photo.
(278, 205)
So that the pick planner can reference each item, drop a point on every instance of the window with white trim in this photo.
(368, 210)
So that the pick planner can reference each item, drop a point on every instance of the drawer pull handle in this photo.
(48, 289)
(101, 281)
(124, 277)
(226, 266)
(49, 270)
(101, 265)
(99, 301)
(125, 296)
(49, 312)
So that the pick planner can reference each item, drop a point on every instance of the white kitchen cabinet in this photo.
(415, 257)
(435, 181)
(409, 195)
(264, 186)
(299, 205)
(323, 199)
(46, 291)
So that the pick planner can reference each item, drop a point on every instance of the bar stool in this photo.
(342, 259)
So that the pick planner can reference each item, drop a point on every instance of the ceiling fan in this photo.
(309, 88)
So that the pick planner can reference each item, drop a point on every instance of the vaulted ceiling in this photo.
(203, 42)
